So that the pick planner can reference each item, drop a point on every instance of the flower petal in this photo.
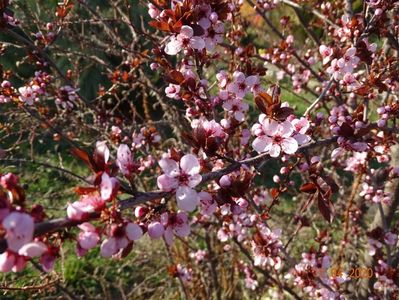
(187, 198)
(189, 164)
(289, 145)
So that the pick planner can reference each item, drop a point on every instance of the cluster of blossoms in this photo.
(66, 96)
(18, 228)
(386, 278)
(266, 247)
(31, 92)
(146, 136)
(377, 238)
(276, 137)
(204, 33)
(311, 275)
(267, 4)
(250, 276)
(344, 66)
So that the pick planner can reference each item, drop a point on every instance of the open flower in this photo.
(19, 230)
(175, 224)
(125, 160)
(182, 177)
(185, 39)
(241, 85)
(274, 137)
(237, 107)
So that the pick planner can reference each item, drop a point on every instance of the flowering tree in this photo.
(259, 137)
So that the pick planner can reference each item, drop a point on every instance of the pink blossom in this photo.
(214, 32)
(208, 204)
(274, 137)
(125, 160)
(337, 68)
(109, 186)
(326, 53)
(88, 238)
(184, 40)
(19, 230)
(175, 224)
(182, 177)
(173, 91)
(28, 94)
(237, 107)
(241, 85)
(301, 127)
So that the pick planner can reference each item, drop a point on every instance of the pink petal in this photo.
(169, 166)
(194, 180)
(108, 247)
(262, 144)
(187, 198)
(270, 127)
(189, 164)
(275, 150)
(155, 230)
(168, 236)
(173, 47)
(286, 129)
(186, 31)
(133, 231)
(166, 183)
(197, 42)
(33, 249)
(88, 239)
(289, 145)
(19, 230)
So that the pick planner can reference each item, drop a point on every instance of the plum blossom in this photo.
(213, 31)
(175, 224)
(185, 39)
(326, 53)
(241, 85)
(181, 177)
(19, 230)
(208, 204)
(124, 160)
(119, 237)
(173, 91)
(29, 94)
(266, 248)
(237, 107)
(10, 261)
(337, 68)
(108, 187)
(88, 237)
(301, 126)
(274, 137)
(66, 96)
(79, 210)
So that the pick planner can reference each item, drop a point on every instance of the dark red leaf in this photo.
(309, 188)
(174, 77)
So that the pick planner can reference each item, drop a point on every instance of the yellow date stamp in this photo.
(338, 271)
